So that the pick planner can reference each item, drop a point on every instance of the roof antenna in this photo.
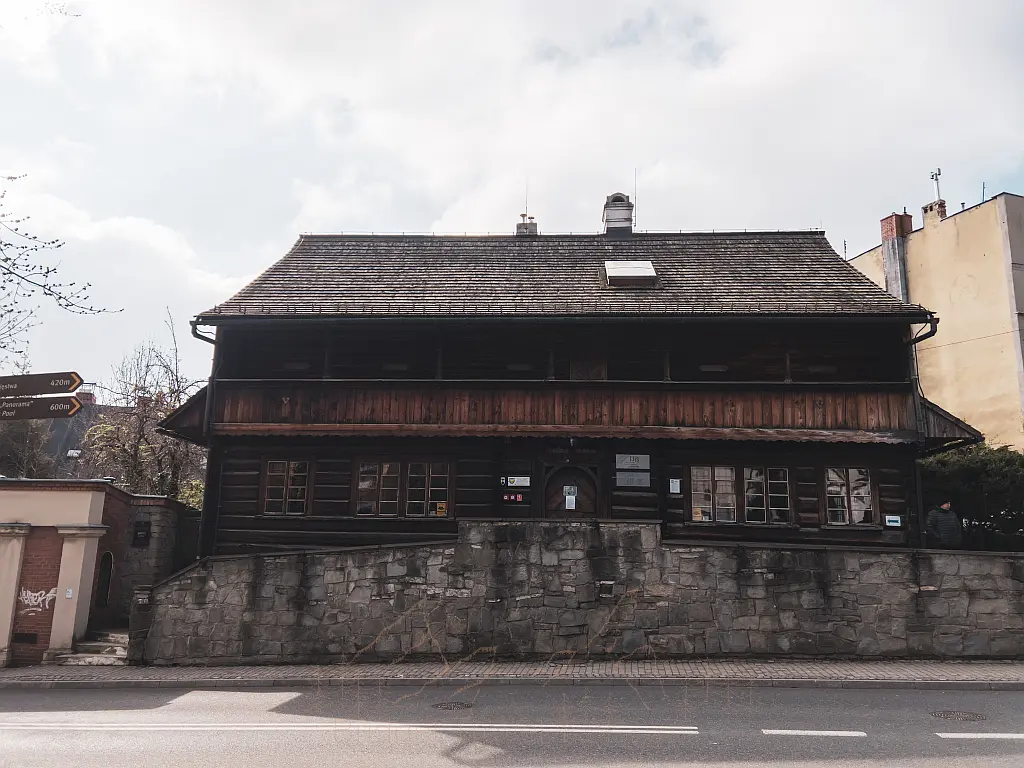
(935, 178)
(983, 191)
(634, 199)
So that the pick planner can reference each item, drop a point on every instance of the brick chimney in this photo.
(933, 213)
(895, 228)
(527, 226)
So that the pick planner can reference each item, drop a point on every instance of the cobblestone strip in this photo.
(987, 674)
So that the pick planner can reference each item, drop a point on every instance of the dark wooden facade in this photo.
(345, 433)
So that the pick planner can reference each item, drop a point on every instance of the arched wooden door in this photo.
(571, 492)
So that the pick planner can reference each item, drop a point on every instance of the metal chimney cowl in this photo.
(618, 215)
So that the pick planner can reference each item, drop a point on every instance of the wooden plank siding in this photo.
(382, 408)
(477, 466)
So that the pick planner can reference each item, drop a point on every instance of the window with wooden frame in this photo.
(766, 495)
(713, 494)
(286, 487)
(402, 489)
(848, 498)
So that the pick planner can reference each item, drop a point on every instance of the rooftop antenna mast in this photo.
(634, 199)
(935, 178)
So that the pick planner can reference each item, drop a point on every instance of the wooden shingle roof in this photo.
(794, 274)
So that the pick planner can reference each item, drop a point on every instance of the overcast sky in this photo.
(179, 146)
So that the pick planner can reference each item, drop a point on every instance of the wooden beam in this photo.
(566, 430)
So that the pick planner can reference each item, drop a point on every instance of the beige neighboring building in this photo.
(967, 268)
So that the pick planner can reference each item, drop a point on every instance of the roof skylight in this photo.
(630, 273)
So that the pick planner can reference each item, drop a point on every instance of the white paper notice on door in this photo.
(674, 485)
(570, 502)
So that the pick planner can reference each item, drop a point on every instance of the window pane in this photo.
(277, 467)
(724, 486)
(725, 514)
(778, 515)
(297, 494)
(700, 473)
(836, 510)
(725, 473)
(296, 507)
(417, 494)
(439, 469)
(701, 486)
(860, 482)
(755, 474)
(701, 512)
(754, 500)
(417, 468)
(860, 508)
(388, 508)
(778, 502)
(272, 508)
(755, 515)
(299, 467)
(365, 507)
(778, 475)
(835, 482)
(415, 508)
(275, 493)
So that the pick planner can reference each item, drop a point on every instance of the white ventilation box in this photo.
(630, 272)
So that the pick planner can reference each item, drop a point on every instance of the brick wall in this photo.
(133, 565)
(117, 516)
(601, 589)
(33, 614)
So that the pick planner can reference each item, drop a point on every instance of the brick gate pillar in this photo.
(74, 586)
(12, 548)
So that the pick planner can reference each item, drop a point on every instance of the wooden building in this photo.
(740, 385)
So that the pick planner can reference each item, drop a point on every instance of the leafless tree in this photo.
(144, 388)
(27, 275)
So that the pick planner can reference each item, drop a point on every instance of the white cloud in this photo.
(397, 116)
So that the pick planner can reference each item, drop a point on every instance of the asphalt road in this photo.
(512, 726)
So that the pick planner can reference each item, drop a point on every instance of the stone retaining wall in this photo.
(533, 589)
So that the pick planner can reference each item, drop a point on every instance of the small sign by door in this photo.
(632, 461)
(570, 491)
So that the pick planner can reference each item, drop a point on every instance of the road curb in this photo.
(468, 682)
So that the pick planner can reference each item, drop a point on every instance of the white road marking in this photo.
(784, 732)
(667, 730)
(980, 735)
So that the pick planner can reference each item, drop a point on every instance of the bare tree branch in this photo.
(27, 275)
(144, 388)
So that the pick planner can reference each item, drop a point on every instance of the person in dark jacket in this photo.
(944, 527)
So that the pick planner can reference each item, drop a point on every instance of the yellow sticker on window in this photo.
(441, 508)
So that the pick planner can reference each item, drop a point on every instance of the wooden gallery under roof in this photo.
(733, 386)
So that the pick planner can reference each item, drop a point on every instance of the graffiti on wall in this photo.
(36, 602)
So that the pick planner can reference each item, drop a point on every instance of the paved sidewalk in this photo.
(962, 675)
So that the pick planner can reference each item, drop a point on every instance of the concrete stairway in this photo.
(106, 649)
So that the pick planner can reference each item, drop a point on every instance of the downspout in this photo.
(207, 521)
(933, 328)
(208, 410)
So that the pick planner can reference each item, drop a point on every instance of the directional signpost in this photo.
(39, 408)
(18, 401)
(40, 384)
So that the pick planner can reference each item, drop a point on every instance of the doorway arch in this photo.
(106, 575)
(576, 481)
